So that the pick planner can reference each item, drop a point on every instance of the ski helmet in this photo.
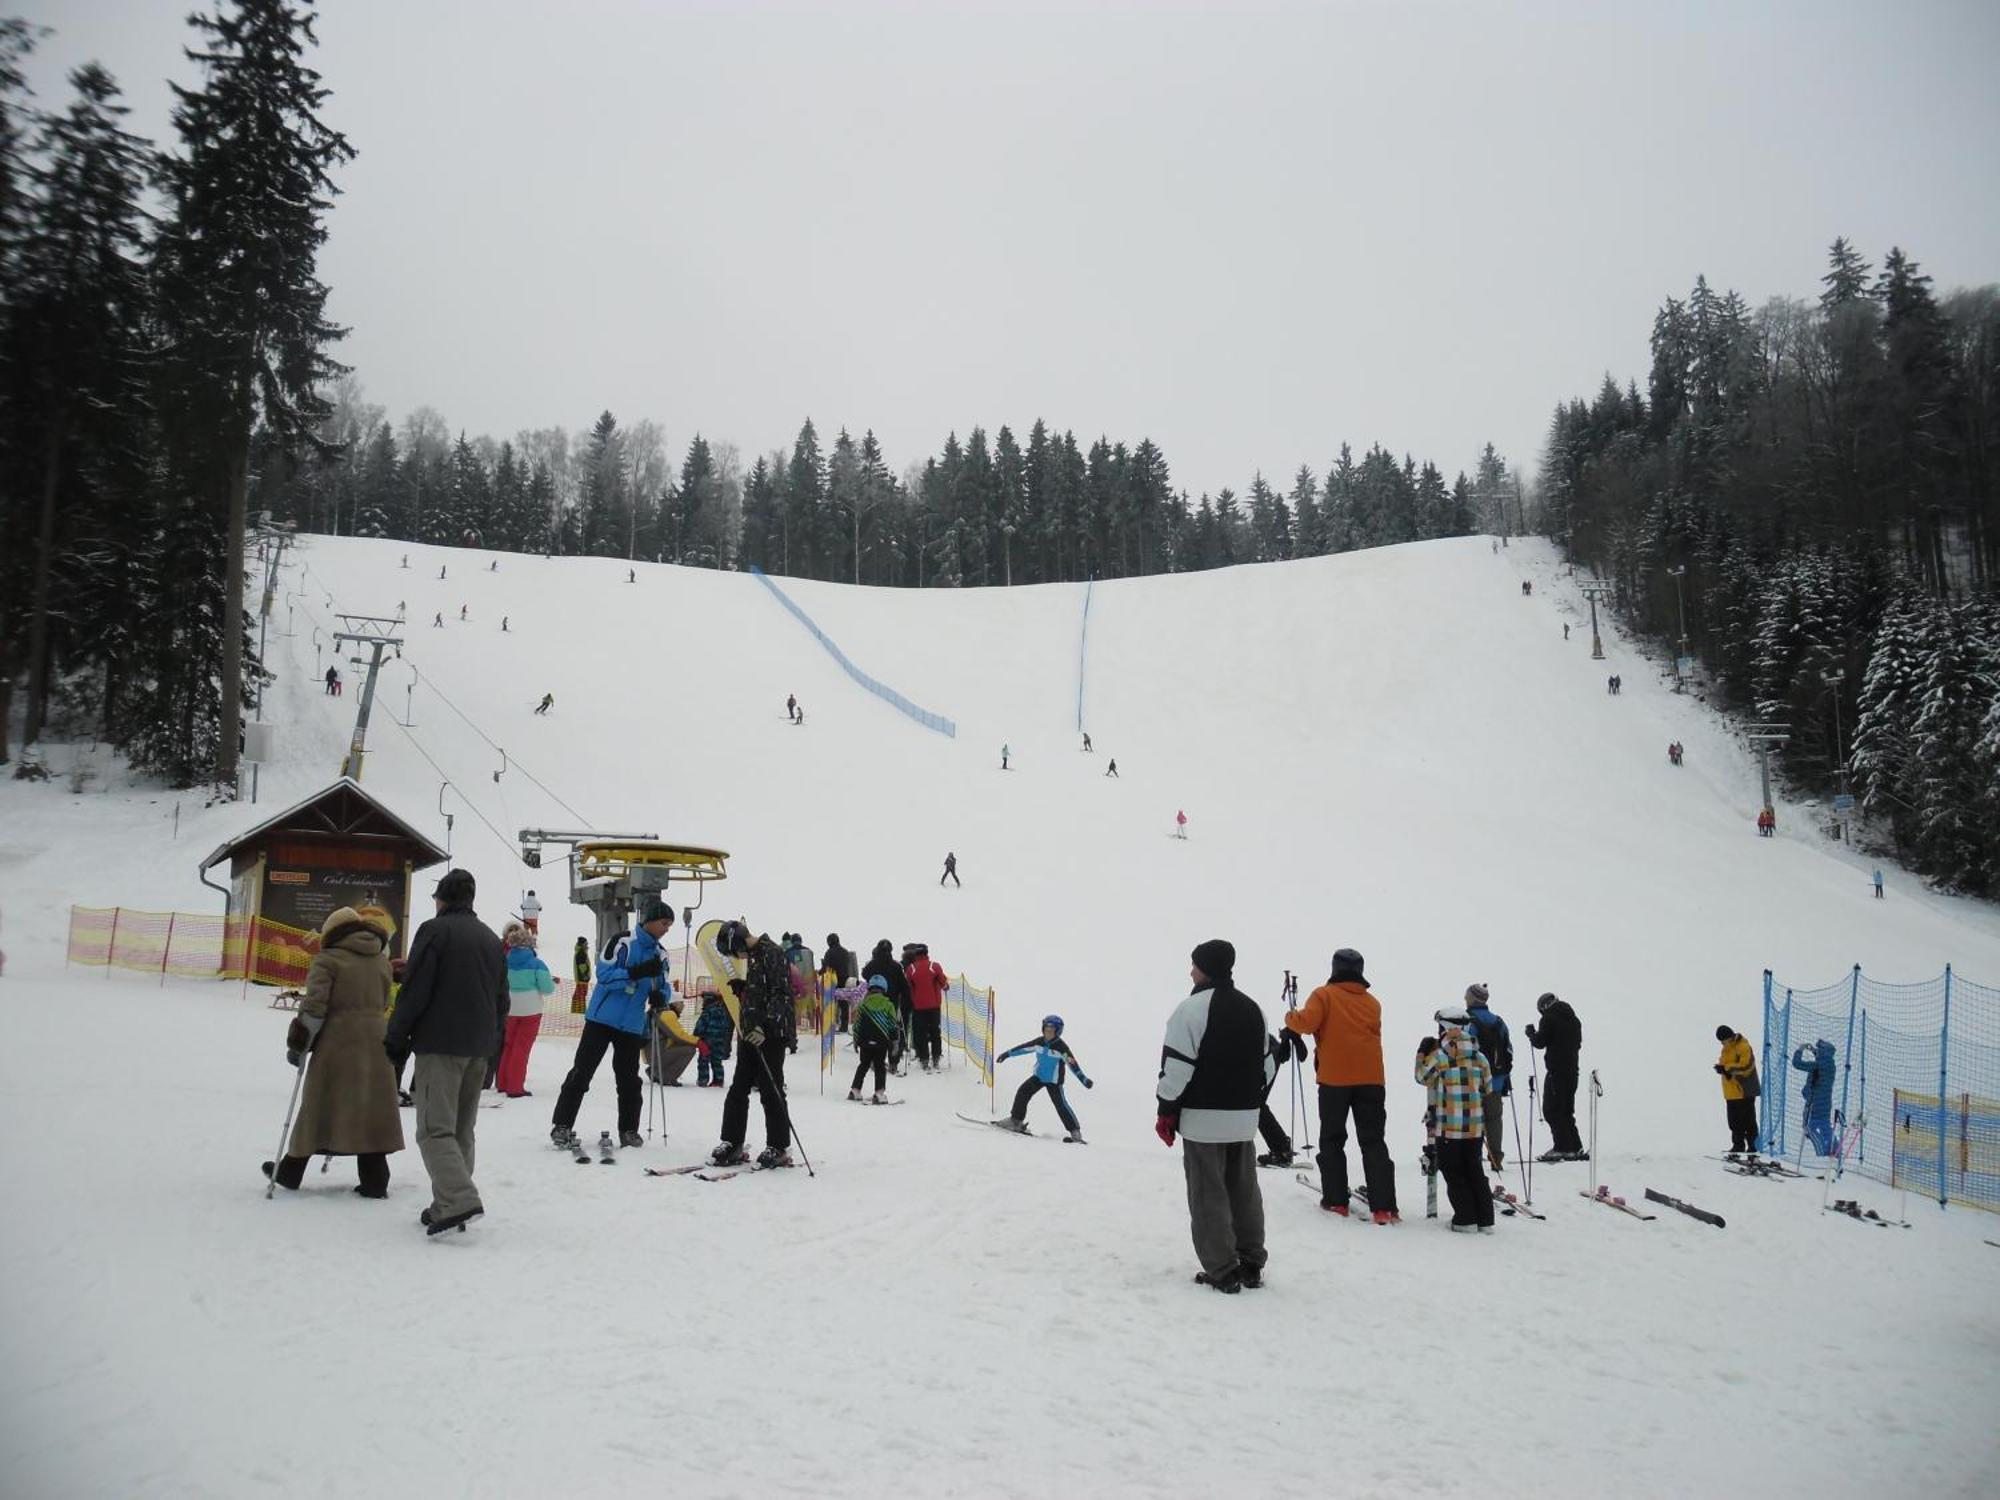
(1055, 1021)
(1453, 1015)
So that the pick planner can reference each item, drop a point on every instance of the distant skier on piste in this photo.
(1052, 1059)
(950, 869)
(1003, 757)
(548, 702)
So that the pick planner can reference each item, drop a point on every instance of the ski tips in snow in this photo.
(1653, 1195)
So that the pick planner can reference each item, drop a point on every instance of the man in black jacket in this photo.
(1560, 1035)
(451, 1014)
(839, 962)
(1215, 1064)
(883, 962)
(768, 1023)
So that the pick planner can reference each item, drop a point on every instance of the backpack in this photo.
(767, 993)
(1491, 1035)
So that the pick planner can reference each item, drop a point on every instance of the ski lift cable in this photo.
(512, 762)
(513, 848)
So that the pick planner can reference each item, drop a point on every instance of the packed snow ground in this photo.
(1392, 750)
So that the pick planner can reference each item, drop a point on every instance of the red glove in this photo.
(1163, 1127)
(702, 1048)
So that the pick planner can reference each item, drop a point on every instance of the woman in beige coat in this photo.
(349, 1108)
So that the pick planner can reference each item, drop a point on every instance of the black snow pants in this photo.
(761, 1068)
(874, 1055)
(1559, 1103)
(1366, 1100)
(1026, 1093)
(929, 1038)
(1465, 1182)
(624, 1047)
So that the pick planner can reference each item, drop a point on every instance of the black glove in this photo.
(1289, 1038)
(398, 1055)
(650, 969)
(1718, 1067)
(294, 1056)
(1531, 1031)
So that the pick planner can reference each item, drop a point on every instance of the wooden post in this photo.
(112, 946)
(168, 949)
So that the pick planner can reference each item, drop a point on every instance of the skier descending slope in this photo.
(1052, 1057)
(1214, 1066)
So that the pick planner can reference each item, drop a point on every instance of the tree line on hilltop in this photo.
(981, 511)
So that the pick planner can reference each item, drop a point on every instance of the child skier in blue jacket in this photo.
(1052, 1060)
(712, 1026)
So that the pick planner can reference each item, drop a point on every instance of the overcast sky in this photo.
(1249, 233)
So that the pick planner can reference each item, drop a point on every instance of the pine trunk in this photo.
(857, 544)
(38, 627)
(226, 749)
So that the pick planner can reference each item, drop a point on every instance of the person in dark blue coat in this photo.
(631, 984)
(1816, 1062)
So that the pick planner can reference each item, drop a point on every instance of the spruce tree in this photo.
(241, 305)
(79, 303)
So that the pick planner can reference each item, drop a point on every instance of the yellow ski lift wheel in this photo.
(653, 858)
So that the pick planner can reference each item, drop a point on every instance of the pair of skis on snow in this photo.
(1007, 1124)
(704, 1171)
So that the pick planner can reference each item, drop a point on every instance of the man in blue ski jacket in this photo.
(1052, 1061)
(1498, 1048)
(631, 984)
(1816, 1062)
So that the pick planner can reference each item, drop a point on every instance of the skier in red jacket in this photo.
(927, 987)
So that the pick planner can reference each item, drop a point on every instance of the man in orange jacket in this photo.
(1345, 1022)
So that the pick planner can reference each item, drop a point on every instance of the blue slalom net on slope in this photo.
(1915, 1087)
(880, 689)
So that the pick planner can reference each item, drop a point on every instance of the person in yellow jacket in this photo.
(1345, 1022)
(674, 1047)
(1738, 1069)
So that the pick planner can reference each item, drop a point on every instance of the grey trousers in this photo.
(670, 1060)
(1496, 1129)
(446, 1090)
(1225, 1204)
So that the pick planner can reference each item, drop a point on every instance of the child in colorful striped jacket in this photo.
(1455, 1077)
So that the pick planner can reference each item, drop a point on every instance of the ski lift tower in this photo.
(379, 633)
(612, 872)
(1595, 590)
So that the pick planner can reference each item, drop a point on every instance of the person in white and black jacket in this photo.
(1215, 1064)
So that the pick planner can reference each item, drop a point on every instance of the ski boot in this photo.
(729, 1155)
(630, 1138)
(564, 1139)
(771, 1157)
(1074, 1138)
(880, 1097)
(1019, 1127)
(1275, 1159)
(855, 1095)
(1387, 1216)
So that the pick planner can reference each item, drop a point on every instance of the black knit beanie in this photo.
(1216, 959)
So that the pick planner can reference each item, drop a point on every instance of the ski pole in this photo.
(1534, 1097)
(790, 1123)
(1596, 1093)
(1514, 1107)
(285, 1132)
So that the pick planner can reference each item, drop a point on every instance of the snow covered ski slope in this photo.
(1394, 751)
